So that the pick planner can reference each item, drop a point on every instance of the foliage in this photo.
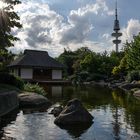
(97, 65)
(67, 58)
(6, 78)
(133, 75)
(132, 54)
(79, 77)
(5, 59)
(9, 20)
(130, 63)
(34, 88)
(100, 64)
(96, 77)
(72, 59)
(121, 70)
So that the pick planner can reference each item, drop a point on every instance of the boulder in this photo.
(56, 110)
(73, 113)
(129, 86)
(33, 100)
(137, 93)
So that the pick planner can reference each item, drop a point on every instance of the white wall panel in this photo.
(56, 74)
(26, 73)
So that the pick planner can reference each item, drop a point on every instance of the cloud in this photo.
(132, 29)
(45, 29)
(81, 22)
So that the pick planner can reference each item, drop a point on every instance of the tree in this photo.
(80, 53)
(5, 59)
(8, 20)
(67, 58)
(132, 53)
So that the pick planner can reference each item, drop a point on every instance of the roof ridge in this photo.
(30, 50)
(35, 58)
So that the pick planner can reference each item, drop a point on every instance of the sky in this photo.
(53, 25)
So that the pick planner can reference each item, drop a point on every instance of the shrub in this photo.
(133, 75)
(6, 78)
(34, 88)
(96, 77)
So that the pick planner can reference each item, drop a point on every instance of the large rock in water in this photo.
(33, 100)
(73, 113)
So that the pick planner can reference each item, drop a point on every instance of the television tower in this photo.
(116, 29)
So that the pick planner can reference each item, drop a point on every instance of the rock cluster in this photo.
(73, 113)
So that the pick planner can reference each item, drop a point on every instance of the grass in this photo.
(34, 88)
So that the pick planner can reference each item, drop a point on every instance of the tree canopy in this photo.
(8, 20)
(132, 53)
(89, 65)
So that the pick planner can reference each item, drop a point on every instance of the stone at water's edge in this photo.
(33, 100)
(129, 86)
(74, 113)
(8, 102)
(56, 110)
(137, 93)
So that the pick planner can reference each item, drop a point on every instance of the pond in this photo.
(116, 117)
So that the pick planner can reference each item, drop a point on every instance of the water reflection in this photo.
(4, 120)
(76, 130)
(132, 108)
(116, 116)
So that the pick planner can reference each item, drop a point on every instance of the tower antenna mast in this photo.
(116, 29)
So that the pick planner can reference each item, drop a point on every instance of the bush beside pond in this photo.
(34, 88)
(11, 82)
(9, 79)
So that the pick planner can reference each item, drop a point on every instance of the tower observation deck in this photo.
(116, 29)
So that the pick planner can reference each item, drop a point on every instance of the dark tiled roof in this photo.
(34, 58)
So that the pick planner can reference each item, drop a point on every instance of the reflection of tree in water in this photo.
(90, 96)
(116, 123)
(131, 106)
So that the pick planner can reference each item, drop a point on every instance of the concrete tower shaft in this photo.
(116, 29)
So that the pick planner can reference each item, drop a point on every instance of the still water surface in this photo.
(116, 117)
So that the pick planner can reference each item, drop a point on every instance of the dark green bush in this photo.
(133, 75)
(95, 77)
(6, 78)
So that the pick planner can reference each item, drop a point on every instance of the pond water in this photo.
(116, 117)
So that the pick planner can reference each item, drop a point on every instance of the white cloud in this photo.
(81, 22)
(45, 29)
(132, 29)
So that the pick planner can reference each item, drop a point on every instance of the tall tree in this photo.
(8, 20)
(132, 53)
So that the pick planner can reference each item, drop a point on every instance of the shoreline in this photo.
(133, 87)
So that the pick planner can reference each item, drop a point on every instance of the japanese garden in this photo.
(55, 85)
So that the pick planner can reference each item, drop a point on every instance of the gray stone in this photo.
(137, 93)
(33, 100)
(73, 113)
(8, 102)
(56, 110)
(129, 86)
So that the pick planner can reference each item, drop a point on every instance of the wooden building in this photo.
(37, 66)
